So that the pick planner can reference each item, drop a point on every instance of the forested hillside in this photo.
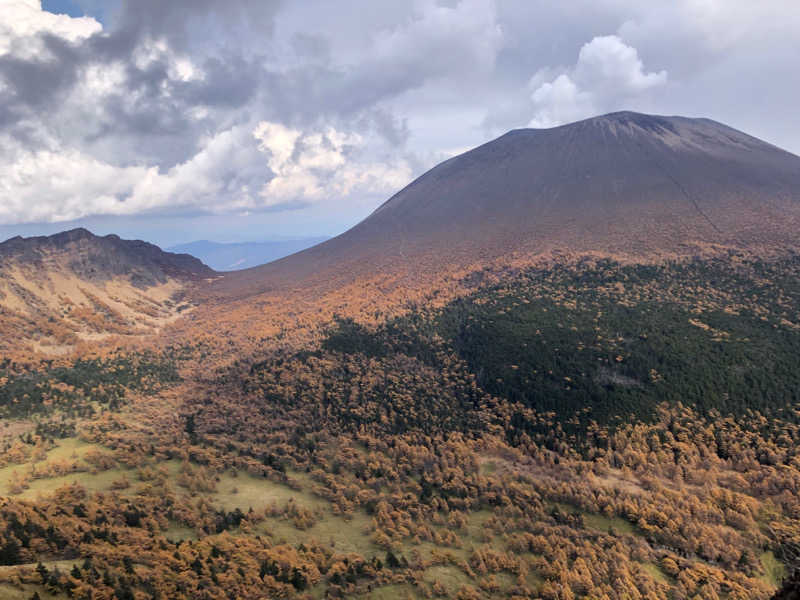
(593, 430)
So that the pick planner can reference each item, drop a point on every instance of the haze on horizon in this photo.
(249, 120)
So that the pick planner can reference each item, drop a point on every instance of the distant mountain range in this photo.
(243, 255)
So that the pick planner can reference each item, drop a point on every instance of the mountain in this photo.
(469, 395)
(243, 255)
(624, 184)
(72, 286)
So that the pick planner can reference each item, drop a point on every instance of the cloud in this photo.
(429, 43)
(560, 101)
(607, 63)
(442, 40)
(23, 22)
(152, 115)
(311, 166)
(151, 107)
(217, 179)
(608, 73)
(238, 170)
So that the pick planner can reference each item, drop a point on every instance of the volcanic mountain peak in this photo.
(676, 128)
(574, 185)
(624, 184)
(56, 290)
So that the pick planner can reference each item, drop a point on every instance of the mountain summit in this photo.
(57, 290)
(102, 258)
(621, 179)
(620, 184)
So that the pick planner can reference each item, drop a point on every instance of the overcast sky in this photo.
(255, 119)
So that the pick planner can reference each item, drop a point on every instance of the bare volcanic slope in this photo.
(56, 291)
(623, 184)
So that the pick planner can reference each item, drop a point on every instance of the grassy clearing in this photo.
(391, 592)
(534, 579)
(344, 536)
(449, 576)
(599, 523)
(477, 520)
(656, 573)
(63, 565)
(244, 491)
(68, 449)
(176, 532)
(24, 592)
(100, 482)
(774, 570)
(427, 551)
(11, 429)
(19, 591)
(505, 581)
(605, 524)
(473, 534)
(6, 474)
(487, 467)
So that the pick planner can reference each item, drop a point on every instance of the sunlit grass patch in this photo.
(244, 492)
(25, 592)
(99, 482)
(599, 523)
(450, 577)
(176, 532)
(656, 573)
(342, 536)
(391, 592)
(67, 453)
(70, 448)
(774, 570)
(606, 524)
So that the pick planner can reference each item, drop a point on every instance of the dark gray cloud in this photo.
(198, 25)
(203, 107)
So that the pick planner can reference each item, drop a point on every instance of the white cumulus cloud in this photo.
(237, 170)
(310, 166)
(23, 21)
(607, 74)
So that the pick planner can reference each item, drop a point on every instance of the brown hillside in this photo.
(59, 290)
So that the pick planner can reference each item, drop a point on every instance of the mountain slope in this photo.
(72, 286)
(622, 184)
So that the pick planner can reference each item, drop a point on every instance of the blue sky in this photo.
(255, 119)
(79, 8)
(63, 6)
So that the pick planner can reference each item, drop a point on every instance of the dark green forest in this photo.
(573, 343)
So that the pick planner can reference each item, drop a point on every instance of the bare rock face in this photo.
(58, 290)
(620, 184)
